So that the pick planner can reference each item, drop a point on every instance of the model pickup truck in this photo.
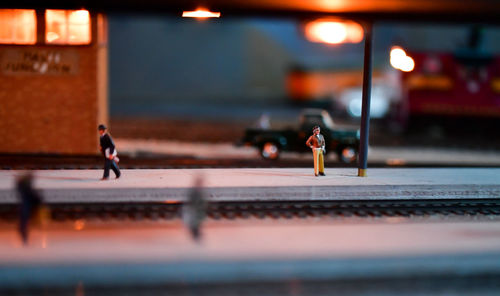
(270, 142)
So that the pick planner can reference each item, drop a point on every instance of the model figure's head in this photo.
(102, 129)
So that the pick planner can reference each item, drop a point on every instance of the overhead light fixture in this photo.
(200, 13)
(333, 31)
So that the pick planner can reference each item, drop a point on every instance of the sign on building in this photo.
(39, 62)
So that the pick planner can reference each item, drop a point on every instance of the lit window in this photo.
(17, 26)
(67, 26)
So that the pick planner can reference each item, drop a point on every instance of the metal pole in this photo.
(365, 107)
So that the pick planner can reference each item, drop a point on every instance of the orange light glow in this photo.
(171, 201)
(52, 36)
(333, 31)
(79, 17)
(435, 82)
(79, 224)
(200, 13)
(17, 26)
(67, 26)
(495, 84)
(395, 161)
(400, 60)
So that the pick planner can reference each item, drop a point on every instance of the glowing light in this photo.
(400, 60)
(51, 36)
(408, 65)
(395, 161)
(67, 26)
(333, 31)
(397, 52)
(379, 106)
(17, 26)
(200, 13)
(355, 32)
(79, 17)
(329, 32)
(79, 224)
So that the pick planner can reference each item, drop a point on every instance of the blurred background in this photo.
(172, 87)
(177, 79)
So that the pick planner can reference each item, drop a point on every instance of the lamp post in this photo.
(365, 107)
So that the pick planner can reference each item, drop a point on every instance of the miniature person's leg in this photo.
(316, 152)
(24, 218)
(321, 162)
(107, 166)
(115, 169)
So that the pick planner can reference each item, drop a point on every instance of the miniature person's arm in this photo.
(323, 144)
(308, 142)
(110, 147)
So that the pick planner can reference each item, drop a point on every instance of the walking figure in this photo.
(109, 151)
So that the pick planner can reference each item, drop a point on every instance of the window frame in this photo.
(35, 32)
(90, 27)
(40, 31)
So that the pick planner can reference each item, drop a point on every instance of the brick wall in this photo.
(55, 109)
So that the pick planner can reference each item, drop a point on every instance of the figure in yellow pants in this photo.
(317, 143)
(319, 166)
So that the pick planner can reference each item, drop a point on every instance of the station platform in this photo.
(388, 256)
(381, 256)
(164, 185)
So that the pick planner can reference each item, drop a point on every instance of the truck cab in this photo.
(270, 142)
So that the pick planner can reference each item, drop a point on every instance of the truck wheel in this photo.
(348, 154)
(270, 150)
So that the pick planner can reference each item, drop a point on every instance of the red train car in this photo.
(447, 87)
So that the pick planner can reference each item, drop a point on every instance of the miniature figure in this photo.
(32, 209)
(194, 210)
(317, 143)
(109, 151)
(272, 141)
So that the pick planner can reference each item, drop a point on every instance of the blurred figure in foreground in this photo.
(31, 208)
(194, 209)
(109, 151)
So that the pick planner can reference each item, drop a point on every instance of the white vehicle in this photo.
(384, 94)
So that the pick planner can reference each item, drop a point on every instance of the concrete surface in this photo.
(260, 184)
(249, 250)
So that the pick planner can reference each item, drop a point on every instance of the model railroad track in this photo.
(139, 211)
